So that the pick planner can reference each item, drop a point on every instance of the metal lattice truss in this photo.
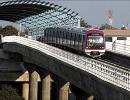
(37, 15)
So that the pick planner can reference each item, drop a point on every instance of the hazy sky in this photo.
(95, 11)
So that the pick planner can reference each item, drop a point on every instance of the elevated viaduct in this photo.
(83, 84)
(59, 72)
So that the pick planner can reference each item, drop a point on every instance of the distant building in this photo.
(113, 35)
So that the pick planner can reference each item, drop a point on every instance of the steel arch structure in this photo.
(37, 15)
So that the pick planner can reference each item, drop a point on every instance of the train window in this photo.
(77, 37)
(63, 34)
(48, 32)
(72, 36)
(108, 39)
(66, 37)
(121, 38)
(80, 37)
(44, 34)
(74, 39)
(53, 35)
(68, 34)
(71, 39)
(63, 39)
(48, 35)
(59, 36)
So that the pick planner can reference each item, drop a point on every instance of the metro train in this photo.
(86, 41)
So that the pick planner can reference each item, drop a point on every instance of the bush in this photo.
(9, 93)
(8, 31)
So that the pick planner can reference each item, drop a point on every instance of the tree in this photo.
(103, 26)
(106, 26)
(84, 24)
(9, 93)
(123, 28)
(9, 31)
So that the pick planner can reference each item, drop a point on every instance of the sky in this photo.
(95, 12)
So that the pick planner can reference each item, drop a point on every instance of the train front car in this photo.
(95, 43)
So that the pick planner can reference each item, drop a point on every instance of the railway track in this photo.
(110, 61)
(107, 59)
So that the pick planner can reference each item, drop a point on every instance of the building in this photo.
(113, 35)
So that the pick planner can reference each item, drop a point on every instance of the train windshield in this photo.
(95, 42)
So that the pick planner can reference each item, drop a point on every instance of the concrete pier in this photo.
(46, 88)
(80, 94)
(25, 91)
(63, 92)
(33, 89)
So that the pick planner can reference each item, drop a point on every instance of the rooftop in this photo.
(117, 32)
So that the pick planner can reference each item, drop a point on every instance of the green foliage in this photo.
(8, 31)
(9, 93)
(84, 24)
(104, 26)
(123, 28)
